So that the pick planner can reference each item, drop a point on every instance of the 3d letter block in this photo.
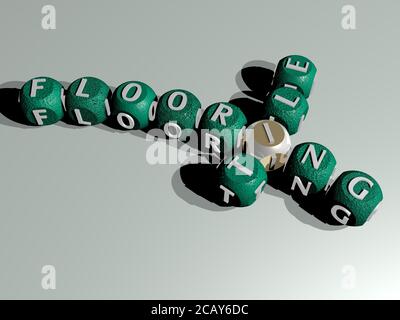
(177, 111)
(269, 142)
(87, 101)
(241, 179)
(297, 71)
(308, 170)
(41, 101)
(287, 106)
(353, 197)
(133, 105)
(222, 128)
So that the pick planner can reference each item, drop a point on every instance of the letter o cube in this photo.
(133, 105)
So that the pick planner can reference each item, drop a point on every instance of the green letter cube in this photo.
(308, 169)
(41, 101)
(288, 107)
(296, 70)
(177, 110)
(87, 101)
(353, 197)
(222, 128)
(132, 103)
(241, 179)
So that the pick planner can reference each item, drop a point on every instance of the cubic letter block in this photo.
(296, 70)
(241, 179)
(288, 107)
(353, 197)
(308, 170)
(269, 142)
(41, 101)
(177, 110)
(87, 101)
(222, 128)
(132, 104)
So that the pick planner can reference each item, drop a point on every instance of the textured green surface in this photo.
(92, 108)
(228, 133)
(306, 172)
(48, 98)
(137, 109)
(286, 115)
(360, 209)
(185, 118)
(303, 80)
(244, 186)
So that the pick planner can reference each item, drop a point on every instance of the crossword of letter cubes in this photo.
(248, 155)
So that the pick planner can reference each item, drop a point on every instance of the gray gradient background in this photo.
(86, 201)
